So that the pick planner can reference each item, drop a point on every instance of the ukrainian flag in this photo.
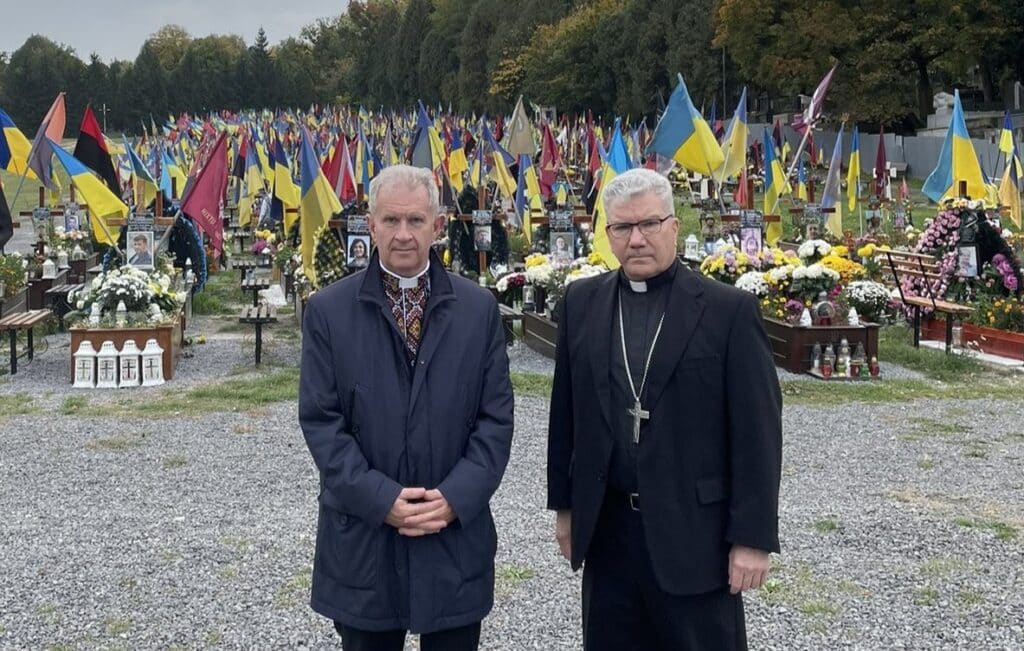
(457, 163)
(684, 136)
(775, 186)
(171, 176)
(144, 186)
(319, 202)
(14, 148)
(853, 173)
(103, 204)
(500, 172)
(801, 182)
(957, 162)
(616, 162)
(734, 145)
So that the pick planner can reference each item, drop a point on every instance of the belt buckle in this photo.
(634, 501)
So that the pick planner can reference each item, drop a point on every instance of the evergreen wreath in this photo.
(328, 258)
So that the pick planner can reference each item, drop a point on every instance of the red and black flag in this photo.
(92, 151)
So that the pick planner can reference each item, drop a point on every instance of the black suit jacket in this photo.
(710, 460)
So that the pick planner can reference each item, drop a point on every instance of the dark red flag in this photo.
(92, 150)
(203, 201)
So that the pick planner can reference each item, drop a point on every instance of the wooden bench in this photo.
(258, 315)
(58, 299)
(924, 269)
(255, 285)
(15, 323)
(243, 266)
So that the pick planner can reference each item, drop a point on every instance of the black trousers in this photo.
(624, 609)
(464, 638)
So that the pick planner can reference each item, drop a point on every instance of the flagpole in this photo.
(792, 166)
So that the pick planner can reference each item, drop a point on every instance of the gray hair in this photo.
(635, 182)
(410, 177)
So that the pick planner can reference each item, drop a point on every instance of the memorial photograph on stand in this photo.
(140, 249)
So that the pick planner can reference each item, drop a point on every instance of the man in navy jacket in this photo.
(406, 406)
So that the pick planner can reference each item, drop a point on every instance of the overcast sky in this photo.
(115, 29)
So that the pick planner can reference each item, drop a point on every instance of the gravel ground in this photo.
(898, 524)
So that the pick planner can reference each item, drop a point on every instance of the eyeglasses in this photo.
(622, 230)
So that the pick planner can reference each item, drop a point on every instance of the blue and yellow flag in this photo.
(684, 136)
(853, 173)
(144, 186)
(14, 148)
(103, 204)
(319, 202)
(734, 145)
(775, 186)
(801, 182)
(615, 161)
(957, 162)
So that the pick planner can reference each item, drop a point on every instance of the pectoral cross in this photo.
(638, 413)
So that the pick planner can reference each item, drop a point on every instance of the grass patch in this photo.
(115, 626)
(174, 461)
(118, 443)
(971, 598)
(228, 572)
(826, 525)
(294, 590)
(222, 294)
(940, 567)
(532, 384)
(926, 463)
(926, 596)
(1002, 530)
(817, 607)
(938, 427)
(73, 405)
(814, 392)
(16, 405)
(896, 345)
(975, 451)
(508, 578)
(238, 394)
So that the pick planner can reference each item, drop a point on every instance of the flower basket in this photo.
(993, 341)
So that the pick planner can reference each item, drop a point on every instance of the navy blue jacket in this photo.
(374, 424)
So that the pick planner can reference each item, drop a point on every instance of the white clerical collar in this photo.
(404, 282)
(638, 286)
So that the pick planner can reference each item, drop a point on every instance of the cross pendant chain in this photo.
(638, 413)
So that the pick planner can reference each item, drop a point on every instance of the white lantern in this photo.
(62, 260)
(130, 364)
(49, 269)
(106, 366)
(121, 315)
(77, 253)
(692, 250)
(152, 364)
(852, 317)
(85, 366)
(805, 318)
(94, 314)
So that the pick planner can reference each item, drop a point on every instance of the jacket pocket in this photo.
(352, 549)
(711, 490)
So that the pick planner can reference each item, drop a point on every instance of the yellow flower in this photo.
(595, 259)
(535, 259)
(840, 251)
(866, 251)
(447, 257)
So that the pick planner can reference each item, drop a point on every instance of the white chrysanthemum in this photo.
(753, 282)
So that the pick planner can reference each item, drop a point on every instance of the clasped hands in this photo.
(418, 512)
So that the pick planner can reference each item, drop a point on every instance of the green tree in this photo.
(143, 90)
(170, 43)
(295, 70)
(403, 64)
(37, 71)
(261, 78)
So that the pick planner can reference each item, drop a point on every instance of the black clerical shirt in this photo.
(641, 312)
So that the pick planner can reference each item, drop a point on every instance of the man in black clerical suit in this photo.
(665, 439)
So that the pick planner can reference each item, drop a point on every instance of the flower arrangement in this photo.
(139, 291)
(871, 300)
(265, 243)
(812, 251)
(754, 282)
(726, 264)
(12, 273)
(1003, 313)
(67, 240)
(847, 269)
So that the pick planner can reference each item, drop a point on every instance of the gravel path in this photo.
(899, 526)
